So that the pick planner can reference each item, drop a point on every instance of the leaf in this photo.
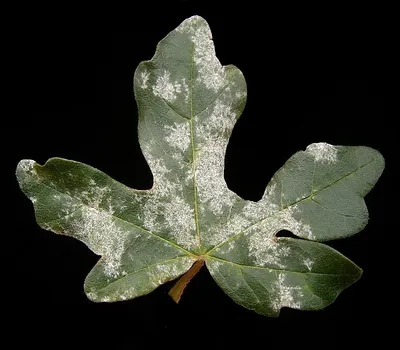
(188, 104)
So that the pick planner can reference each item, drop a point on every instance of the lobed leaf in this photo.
(188, 104)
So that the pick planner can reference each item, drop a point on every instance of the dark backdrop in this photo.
(313, 74)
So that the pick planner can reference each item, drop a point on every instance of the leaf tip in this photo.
(25, 167)
(195, 18)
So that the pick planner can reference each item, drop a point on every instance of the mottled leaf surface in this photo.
(188, 104)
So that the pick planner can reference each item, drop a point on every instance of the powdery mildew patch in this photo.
(256, 211)
(213, 128)
(323, 152)
(166, 211)
(27, 166)
(83, 216)
(251, 213)
(211, 72)
(179, 216)
(210, 131)
(240, 94)
(213, 266)
(178, 136)
(220, 233)
(285, 294)
(308, 263)
(222, 118)
(146, 280)
(145, 78)
(262, 245)
(166, 271)
(265, 250)
(104, 237)
(98, 227)
(166, 89)
(92, 220)
(185, 90)
(214, 195)
(259, 222)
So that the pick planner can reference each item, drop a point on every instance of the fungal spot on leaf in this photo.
(323, 152)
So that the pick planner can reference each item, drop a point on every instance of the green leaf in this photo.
(188, 104)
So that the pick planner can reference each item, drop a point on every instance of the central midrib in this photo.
(192, 141)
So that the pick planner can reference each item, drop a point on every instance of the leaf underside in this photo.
(188, 104)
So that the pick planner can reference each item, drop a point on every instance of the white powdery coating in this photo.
(166, 210)
(263, 246)
(286, 295)
(162, 186)
(288, 222)
(97, 228)
(240, 94)
(308, 263)
(213, 193)
(179, 136)
(179, 216)
(251, 212)
(264, 249)
(231, 245)
(154, 277)
(211, 72)
(94, 196)
(27, 166)
(185, 89)
(128, 293)
(162, 189)
(237, 222)
(211, 135)
(92, 295)
(177, 220)
(150, 210)
(103, 236)
(167, 271)
(222, 118)
(165, 89)
(307, 232)
(213, 266)
(270, 191)
(217, 234)
(255, 211)
(145, 78)
(323, 152)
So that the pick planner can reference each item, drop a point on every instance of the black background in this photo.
(313, 74)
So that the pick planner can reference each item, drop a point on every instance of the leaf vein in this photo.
(242, 266)
(117, 217)
(140, 270)
(289, 205)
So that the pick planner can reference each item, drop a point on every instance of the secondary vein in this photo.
(117, 217)
(241, 266)
(310, 196)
